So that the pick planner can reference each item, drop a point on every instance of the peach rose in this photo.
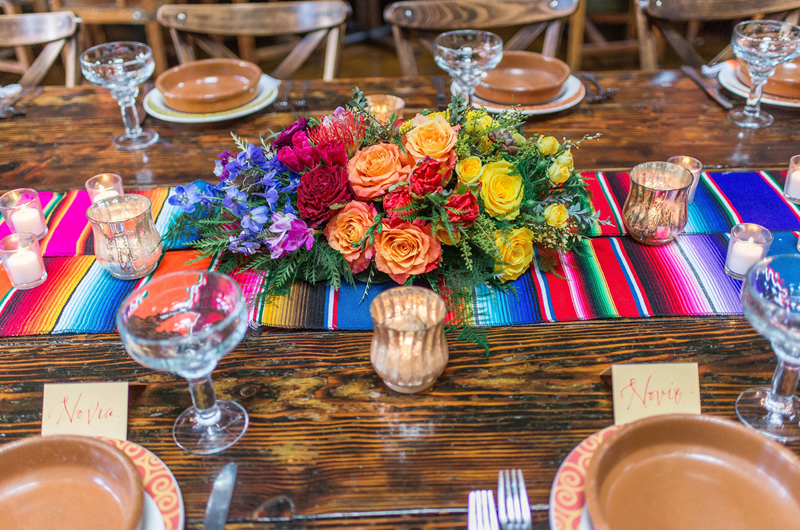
(374, 169)
(430, 137)
(346, 230)
(403, 248)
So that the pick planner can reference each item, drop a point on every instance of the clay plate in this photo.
(211, 85)
(69, 483)
(784, 82)
(524, 78)
(682, 471)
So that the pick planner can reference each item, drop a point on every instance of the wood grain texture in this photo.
(467, 14)
(714, 9)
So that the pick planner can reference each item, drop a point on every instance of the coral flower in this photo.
(347, 229)
(404, 248)
(372, 171)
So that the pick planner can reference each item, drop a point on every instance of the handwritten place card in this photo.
(643, 390)
(89, 409)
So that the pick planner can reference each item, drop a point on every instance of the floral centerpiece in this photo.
(456, 199)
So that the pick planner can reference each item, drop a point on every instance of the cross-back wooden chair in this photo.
(663, 13)
(316, 19)
(57, 31)
(424, 19)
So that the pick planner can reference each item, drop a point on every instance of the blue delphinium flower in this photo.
(271, 195)
(186, 197)
(254, 219)
(288, 208)
(244, 244)
(235, 201)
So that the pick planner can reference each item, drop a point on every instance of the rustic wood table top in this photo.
(325, 432)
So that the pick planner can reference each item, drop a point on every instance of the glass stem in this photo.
(757, 82)
(130, 116)
(784, 385)
(204, 400)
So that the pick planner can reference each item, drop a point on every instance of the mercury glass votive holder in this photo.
(748, 244)
(791, 189)
(656, 209)
(22, 212)
(384, 105)
(694, 166)
(409, 349)
(126, 242)
(103, 186)
(22, 260)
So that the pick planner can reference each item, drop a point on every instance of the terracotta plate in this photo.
(524, 78)
(728, 78)
(784, 82)
(68, 482)
(212, 85)
(681, 472)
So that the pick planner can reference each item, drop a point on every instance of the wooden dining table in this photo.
(329, 446)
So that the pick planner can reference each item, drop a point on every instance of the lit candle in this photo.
(743, 255)
(792, 187)
(23, 267)
(28, 220)
(104, 193)
(103, 186)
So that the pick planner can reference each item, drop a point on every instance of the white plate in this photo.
(571, 94)
(267, 93)
(727, 78)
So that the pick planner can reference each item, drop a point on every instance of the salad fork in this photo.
(300, 104)
(603, 94)
(512, 500)
(481, 514)
(282, 105)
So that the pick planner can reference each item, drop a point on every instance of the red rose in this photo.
(396, 200)
(318, 190)
(462, 209)
(426, 178)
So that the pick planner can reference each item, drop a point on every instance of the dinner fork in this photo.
(603, 94)
(300, 104)
(512, 500)
(481, 514)
(282, 105)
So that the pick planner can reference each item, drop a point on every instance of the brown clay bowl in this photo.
(211, 85)
(68, 482)
(785, 82)
(523, 78)
(683, 471)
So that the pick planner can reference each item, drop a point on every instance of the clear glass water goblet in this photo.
(122, 67)
(185, 322)
(763, 45)
(771, 302)
(467, 55)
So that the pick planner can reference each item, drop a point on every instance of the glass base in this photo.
(794, 200)
(734, 275)
(751, 409)
(146, 139)
(200, 440)
(763, 119)
(30, 285)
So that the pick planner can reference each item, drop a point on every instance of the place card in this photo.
(643, 390)
(88, 409)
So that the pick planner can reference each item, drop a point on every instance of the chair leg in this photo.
(155, 39)
(648, 54)
(247, 45)
(575, 37)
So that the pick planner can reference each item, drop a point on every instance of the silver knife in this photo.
(713, 92)
(220, 499)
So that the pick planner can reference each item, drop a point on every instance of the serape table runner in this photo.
(610, 277)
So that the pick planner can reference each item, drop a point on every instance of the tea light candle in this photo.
(694, 166)
(28, 220)
(22, 260)
(24, 267)
(384, 105)
(749, 243)
(103, 186)
(23, 212)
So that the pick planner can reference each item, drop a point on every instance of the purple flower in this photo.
(220, 171)
(291, 234)
(288, 208)
(255, 156)
(284, 139)
(244, 245)
(271, 195)
(186, 197)
(254, 219)
(235, 201)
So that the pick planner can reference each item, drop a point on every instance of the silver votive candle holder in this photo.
(656, 209)
(22, 212)
(103, 186)
(409, 350)
(22, 259)
(694, 166)
(749, 243)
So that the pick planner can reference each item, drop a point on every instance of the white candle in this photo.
(23, 267)
(792, 187)
(105, 194)
(28, 220)
(743, 255)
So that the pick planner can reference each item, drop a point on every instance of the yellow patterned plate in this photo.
(267, 92)
(163, 506)
(567, 499)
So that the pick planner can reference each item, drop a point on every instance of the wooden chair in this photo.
(57, 31)
(662, 13)
(316, 19)
(96, 13)
(424, 19)
(583, 24)
(24, 56)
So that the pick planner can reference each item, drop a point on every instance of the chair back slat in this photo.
(36, 28)
(455, 14)
(684, 10)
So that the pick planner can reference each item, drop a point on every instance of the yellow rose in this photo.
(558, 174)
(517, 253)
(432, 137)
(565, 159)
(477, 124)
(469, 170)
(501, 191)
(547, 145)
(556, 215)
(445, 236)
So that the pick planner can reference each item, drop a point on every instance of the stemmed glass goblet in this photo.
(771, 302)
(763, 45)
(185, 322)
(122, 67)
(466, 55)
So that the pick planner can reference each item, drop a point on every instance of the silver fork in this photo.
(512, 500)
(603, 94)
(7, 109)
(282, 105)
(300, 104)
(481, 514)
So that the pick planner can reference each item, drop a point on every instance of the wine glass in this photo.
(763, 45)
(771, 302)
(467, 55)
(185, 322)
(122, 67)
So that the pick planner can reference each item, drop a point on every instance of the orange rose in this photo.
(430, 137)
(374, 169)
(403, 248)
(347, 228)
